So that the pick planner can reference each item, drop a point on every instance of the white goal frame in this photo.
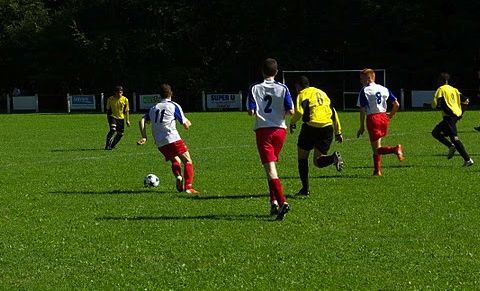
(384, 71)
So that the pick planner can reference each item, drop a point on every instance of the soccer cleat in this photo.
(399, 153)
(338, 161)
(477, 128)
(192, 191)
(468, 163)
(179, 183)
(108, 148)
(451, 152)
(274, 209)
(303, 192)
(283, 211)
(377, 173)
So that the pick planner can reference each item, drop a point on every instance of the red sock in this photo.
(189, 173)
(271, 189)
(386, 150)
(377, 162)
(176, 169)
(276, 185)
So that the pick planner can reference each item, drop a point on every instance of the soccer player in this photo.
(320, 121)
(270, 101)
(448, 99)
(372, 101)
(162, 116)
(117, 115)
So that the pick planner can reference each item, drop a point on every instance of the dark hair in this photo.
(165, 91)
(443, 78)
(270, 67)
(303, 82)
(118, 89)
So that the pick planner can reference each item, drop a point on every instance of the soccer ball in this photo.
(151, 180)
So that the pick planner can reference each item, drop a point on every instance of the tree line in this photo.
(72, 46)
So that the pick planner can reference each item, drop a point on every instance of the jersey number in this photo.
(379, 97)
(157, 113)
(268, 107)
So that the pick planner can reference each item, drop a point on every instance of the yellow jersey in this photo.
(451, 98)
(117, 106)
(315, 109)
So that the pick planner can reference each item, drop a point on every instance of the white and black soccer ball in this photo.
(151, 180)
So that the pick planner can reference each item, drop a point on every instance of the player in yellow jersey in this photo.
(117, 116)
(320, 122)
(448, 99)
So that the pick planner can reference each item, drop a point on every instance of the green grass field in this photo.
(75, 216)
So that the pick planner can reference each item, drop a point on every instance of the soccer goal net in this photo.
(342, 86)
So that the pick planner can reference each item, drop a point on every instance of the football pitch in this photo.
(74, 216)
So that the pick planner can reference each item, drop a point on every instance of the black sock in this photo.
(325, 161)
(108, 142)
(116, 139)
(303, 172)
(460, 148)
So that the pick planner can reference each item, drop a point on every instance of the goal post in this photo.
(342, 86)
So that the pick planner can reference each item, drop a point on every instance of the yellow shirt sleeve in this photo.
(298, 110)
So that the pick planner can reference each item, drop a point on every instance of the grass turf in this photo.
(76, 216)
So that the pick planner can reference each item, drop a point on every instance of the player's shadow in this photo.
(226, 197)
(386, 167)
(225, 217)
(333, 176)
(76, 150)
(109, 192)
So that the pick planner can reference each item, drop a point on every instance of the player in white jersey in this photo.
(270, 102)
(163, 117)
(372, 101)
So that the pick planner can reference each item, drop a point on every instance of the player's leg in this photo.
(381, 130)
(278, 139)
(304, 146)
(303, 170)
(177, 172)
(438, 133)
(111, 132)
(120, 128)
(451, 131)
(324, 138)
(188, 172)
(377, 158)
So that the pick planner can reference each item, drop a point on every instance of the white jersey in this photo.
(374, 98)
(270, 100)
(162, 117)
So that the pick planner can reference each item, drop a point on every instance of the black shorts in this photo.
(448, 126)
(315, 137)
(117, 125)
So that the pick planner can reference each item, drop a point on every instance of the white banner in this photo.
(80, 102)
(224, 101)
(149, 100)
(420, 98)
(25, 103)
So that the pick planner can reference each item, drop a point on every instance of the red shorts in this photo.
(270, 142)
(173, 149)
(377, 125)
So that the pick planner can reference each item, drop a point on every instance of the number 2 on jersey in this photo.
(157, 113)
(268, 107)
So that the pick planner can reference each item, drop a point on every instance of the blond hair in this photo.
(369, 73)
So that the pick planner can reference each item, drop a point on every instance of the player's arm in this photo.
(395, 106)
(337, 127)
(363, 115)
(108, 108)
(127, 113)
(187, 124)
(251, 104)
(180, 116)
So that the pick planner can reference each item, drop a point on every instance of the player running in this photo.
(448, 99)
(320, 121)
(117, 115)
(372, 101)
(269, 102)
(162, 117)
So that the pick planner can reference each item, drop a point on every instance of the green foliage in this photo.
(74, 216)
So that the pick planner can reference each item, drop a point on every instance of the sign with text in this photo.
(81, 102)
(25, 103)
(224, 101)
(149, 100)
